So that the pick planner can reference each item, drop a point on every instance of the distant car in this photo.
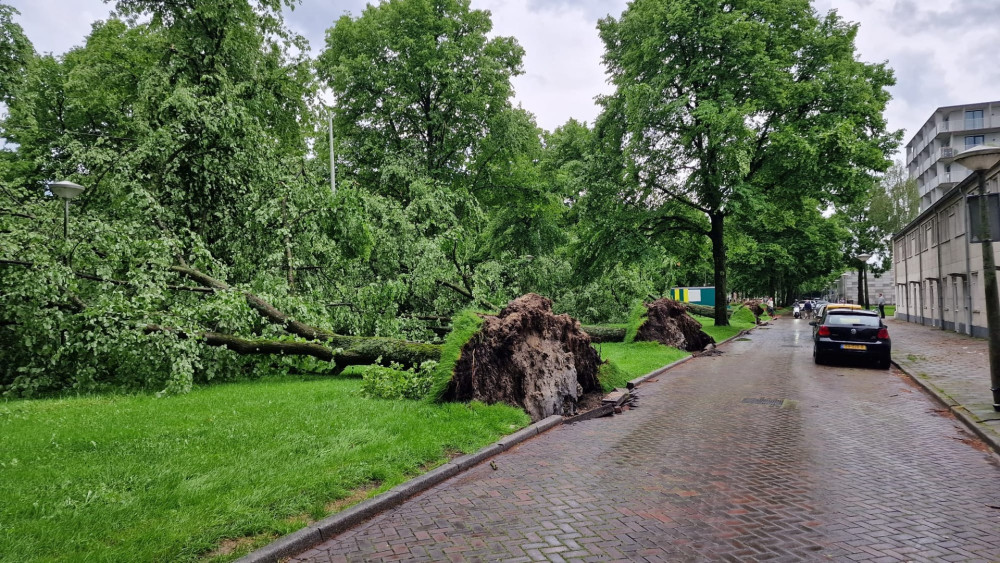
(851, 332)
(822, 309)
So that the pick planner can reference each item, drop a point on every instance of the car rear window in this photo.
(848, 319)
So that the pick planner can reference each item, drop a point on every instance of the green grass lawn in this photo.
(136, 478)
(720, 333)
(639, 358)
(634, 360)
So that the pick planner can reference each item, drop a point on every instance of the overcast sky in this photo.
(944, 52)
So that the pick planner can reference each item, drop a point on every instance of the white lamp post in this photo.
(980, 159)
(66, 190)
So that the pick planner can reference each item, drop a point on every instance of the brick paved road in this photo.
(756, 454)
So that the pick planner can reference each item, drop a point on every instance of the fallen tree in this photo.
(321, 344)
(667, 322)
(342, 350)
(528, 357)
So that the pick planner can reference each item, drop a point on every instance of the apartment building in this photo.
(949, 130)
(938, 272)
(845, 288)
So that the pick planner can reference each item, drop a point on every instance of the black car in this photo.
(851, 333)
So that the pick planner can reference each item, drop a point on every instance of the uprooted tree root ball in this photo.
(528, 357)
(669, 323)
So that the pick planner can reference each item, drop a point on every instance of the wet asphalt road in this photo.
(756, 454)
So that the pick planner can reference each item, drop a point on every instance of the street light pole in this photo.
(67, 191)
(981, 159)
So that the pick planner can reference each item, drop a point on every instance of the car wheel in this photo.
(817, 357)
(883, 363)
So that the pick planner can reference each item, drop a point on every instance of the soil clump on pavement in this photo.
(528, 357)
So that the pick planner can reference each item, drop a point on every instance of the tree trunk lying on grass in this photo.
(600, 334)
(325, 345)
(668, 322)
(528, 357)
(703, 310)
(342, 350)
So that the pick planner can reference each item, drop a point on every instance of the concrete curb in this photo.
(961, 413)
(659, 371)
(335, 524)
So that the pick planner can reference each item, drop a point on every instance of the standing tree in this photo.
(887, 206)
(892, 204)
(727, 105)
(419, 85)
(15, 52)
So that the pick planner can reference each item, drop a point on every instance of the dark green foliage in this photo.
(395, 382)
(421, 85)
(704, 127)
(196, 129)
(16, 53)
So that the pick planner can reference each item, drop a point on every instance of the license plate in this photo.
(854, 347)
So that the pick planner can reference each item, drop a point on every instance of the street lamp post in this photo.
(67, 191)
(980, 159)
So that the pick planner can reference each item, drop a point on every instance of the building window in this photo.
(946, 226)
(974, 119)
(973, 140)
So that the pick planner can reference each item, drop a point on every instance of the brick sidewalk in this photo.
(953, 366)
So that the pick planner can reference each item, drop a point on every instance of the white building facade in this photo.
(938, 273)
(845, 289)
(949, 130)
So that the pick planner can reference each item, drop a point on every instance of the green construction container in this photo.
(694, 295)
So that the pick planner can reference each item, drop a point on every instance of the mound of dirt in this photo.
(669, 323)
(527, 357)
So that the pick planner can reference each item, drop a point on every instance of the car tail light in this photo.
(883, 333)
(823, 330)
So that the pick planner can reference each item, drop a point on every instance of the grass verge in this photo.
(629, 361)
(737, 322)
(135, 478)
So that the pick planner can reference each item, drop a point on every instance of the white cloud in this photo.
(56, 26)
(563, 70)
